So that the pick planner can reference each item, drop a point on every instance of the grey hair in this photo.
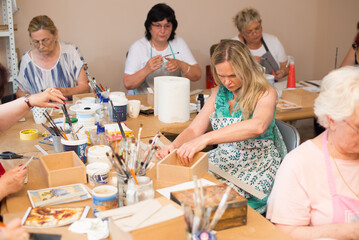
(339, 95)
(245, 17)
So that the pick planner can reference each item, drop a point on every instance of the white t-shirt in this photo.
(140, 52)
(64, 74)
(274, 46)
(301, 193)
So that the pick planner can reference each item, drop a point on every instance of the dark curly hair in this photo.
(158, 13)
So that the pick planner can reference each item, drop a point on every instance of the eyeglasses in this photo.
(355, 130)
(254, 31)
(45, 42)
(158, 26)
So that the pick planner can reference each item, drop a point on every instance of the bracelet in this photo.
(27, 101)
(189, 68)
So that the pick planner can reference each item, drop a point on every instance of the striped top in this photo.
(64, 74)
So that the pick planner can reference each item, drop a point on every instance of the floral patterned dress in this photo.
(253, 161)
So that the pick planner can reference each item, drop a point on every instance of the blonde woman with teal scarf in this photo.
(241, 111)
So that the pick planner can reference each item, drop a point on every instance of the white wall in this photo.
(310, 30)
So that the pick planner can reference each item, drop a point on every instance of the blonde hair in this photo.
(42, 22)
(339, 95)
(245, 17)
(254, 84)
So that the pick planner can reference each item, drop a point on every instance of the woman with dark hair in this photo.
(159, 53)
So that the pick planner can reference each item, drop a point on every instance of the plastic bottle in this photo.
(291, 73)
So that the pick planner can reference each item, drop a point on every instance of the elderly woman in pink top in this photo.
(316, 190)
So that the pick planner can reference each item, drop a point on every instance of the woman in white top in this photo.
(159, 53)
(265, 48)
(50, 63)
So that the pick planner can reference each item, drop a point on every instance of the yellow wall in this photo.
(310, 30)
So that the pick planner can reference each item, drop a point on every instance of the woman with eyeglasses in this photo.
(159, 53)
(50, 63)
(352, 57)
(265, 48)
(316, 190)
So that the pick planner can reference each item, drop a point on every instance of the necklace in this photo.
(355, 194)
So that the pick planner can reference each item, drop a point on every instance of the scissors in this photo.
(12, 155)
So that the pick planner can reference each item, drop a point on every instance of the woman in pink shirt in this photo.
(316, 190)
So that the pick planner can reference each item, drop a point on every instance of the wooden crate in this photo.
(236, 212)
(62, 169)
(169, 169)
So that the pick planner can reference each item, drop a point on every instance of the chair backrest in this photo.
(289, 133)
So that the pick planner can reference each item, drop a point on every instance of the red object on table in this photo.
(291, 77)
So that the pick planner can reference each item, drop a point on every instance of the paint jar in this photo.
(78, 146)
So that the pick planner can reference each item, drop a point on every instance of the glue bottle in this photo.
(291, 73)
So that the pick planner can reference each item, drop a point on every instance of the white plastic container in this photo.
(97, 153)
(97, 173)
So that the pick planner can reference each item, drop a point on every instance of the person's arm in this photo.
(20, 93)
(282, 72)
(13, 111)
(192, 72)
(82, 85)
(12, 181)
(198, 126)
(349, 58)
(251, 128)
(133, 81)
(342, 231)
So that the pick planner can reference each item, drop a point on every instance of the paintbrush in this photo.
(222, 206)
(171, 54)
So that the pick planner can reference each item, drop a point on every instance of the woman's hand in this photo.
(14, 231)
(187, 151)
(164, 151)
(43, 99)
(279, 74)
(173, 64)
(154, 63)
(12, 181)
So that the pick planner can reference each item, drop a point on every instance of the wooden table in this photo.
(15, 205)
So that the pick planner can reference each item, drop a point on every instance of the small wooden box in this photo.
(169, 169)
(236, 212)
(300, 97)
(173, 229)
(62, 169)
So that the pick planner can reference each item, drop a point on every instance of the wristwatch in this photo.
(27, 100)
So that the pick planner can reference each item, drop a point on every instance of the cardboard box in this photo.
(300, 97)
(236, 212)
(173, 228)
(62, 169)
(169, 169)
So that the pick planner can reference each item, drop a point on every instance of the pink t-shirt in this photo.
(301, 194)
